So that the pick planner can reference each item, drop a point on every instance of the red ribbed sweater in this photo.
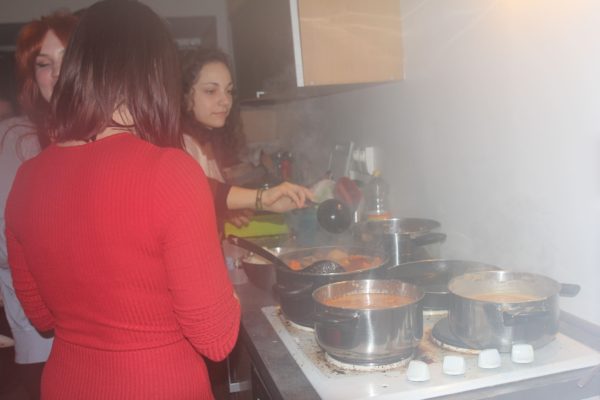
(113, 244)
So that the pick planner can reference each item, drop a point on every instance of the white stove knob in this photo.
(522, 353)
(418, 371)
(454, 365)
(489, 358)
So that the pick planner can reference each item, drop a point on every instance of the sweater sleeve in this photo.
(25, 287)
(202, 295)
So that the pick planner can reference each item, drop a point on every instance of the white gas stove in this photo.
(333, 382)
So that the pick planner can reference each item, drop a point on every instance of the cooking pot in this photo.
(433, 276)
(295, 287)
(403, 239)
(355, 326)
(496, 309)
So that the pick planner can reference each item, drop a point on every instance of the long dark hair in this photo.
(226, 141)
(121, 54)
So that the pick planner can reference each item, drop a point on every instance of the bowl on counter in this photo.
(261, 272)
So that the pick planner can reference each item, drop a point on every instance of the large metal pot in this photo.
(403, 239)
(496, 309)
(433, 276)
(369, 334)
(295, 288)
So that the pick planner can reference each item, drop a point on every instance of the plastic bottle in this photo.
(377, 189)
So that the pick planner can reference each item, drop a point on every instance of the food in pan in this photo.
(368, 301)
(350, 262)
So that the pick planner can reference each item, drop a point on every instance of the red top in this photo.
(113, 244)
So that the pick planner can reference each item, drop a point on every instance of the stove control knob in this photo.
(454, 365)
(522, 353)
(489, 358)
(418, 371)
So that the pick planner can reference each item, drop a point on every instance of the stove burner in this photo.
(298, 326)
(291, 323)
(366, 367)
(443, 337)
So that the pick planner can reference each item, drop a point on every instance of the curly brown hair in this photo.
(226, 141)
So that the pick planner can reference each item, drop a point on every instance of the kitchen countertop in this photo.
(284, 379)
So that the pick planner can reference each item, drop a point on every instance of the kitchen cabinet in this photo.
(295, 48)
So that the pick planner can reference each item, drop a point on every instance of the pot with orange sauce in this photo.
(496, 309)
(295, 285)
(369, 321)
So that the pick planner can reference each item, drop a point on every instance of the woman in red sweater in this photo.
(111, 230)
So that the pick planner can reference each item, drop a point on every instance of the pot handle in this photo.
(284, 291)
(569, 289)
(328, 317)
(429, 238)
(523, 316)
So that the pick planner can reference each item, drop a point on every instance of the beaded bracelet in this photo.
(259, 193)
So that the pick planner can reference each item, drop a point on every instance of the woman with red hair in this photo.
(40, 46)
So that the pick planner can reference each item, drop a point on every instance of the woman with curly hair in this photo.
(210, 118)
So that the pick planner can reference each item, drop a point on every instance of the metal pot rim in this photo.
(503, 276)
(357, 282)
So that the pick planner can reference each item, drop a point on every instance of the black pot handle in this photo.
(285, 292)
(513, 318)
(429, 238)
(569, 289)
(328, 317)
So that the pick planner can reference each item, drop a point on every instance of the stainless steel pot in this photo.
(369, 336)
(294, 288)
(403, 239)
(496, 309)
(433, 276)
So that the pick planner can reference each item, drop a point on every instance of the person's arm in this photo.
(203, 299)
(25, 287)
(281, 198)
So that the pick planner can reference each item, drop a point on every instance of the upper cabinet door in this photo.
(288, 48)
(347, 41)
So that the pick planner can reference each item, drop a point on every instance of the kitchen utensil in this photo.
(319, 266)
(403, 239)
(334, 216)
(383, 330)
(295, 288)
(433, 276)
(496, 309)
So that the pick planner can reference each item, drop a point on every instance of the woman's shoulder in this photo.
(16, 127)
(18, 135)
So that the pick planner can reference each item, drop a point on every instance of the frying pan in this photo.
(433, 276)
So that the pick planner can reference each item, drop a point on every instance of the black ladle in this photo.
(318, 267)
(334, 216)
